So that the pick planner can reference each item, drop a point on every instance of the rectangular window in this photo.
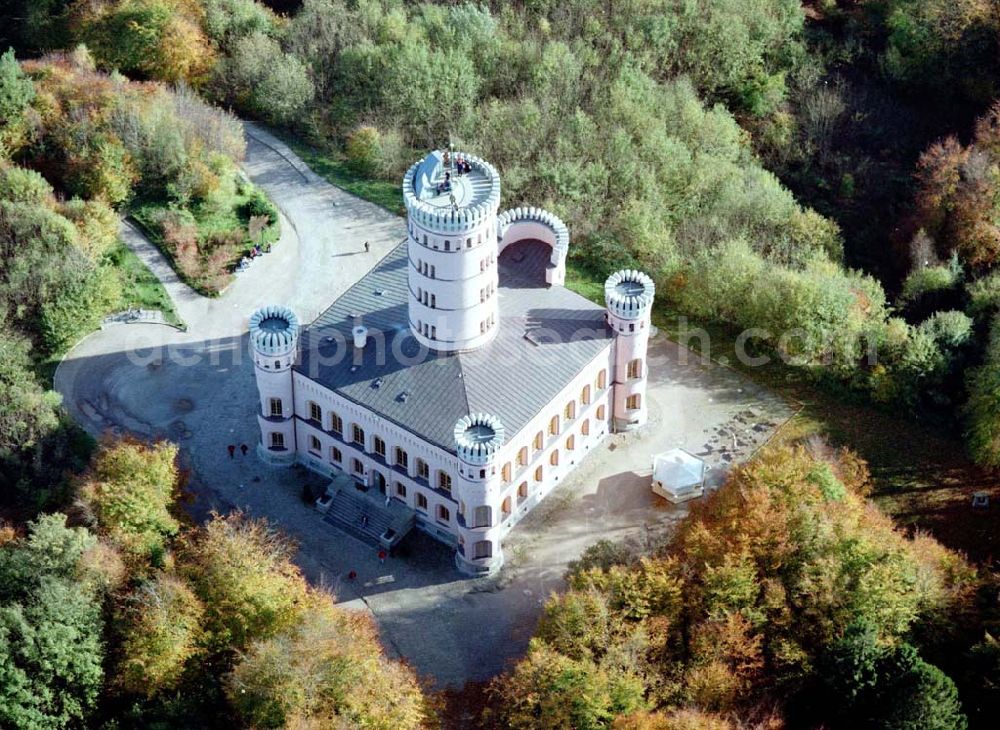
(635, 368)
(421, 502)
(314, 444)
(633, 402)
(276, 407)
(484, 516)
(335, 456)
(423, 471)
(336, 424)
(444, 514)
(379, 446)
(277, 440)
(315, 412)
(401, 458)
(482, 549)
(358, 435)
(444, 481)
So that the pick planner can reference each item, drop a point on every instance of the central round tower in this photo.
(451, 205)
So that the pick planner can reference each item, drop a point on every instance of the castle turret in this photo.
(628, 295)
(478, 438)
(274, 338)
(452, 220)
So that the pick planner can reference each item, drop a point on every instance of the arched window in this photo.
(635, 368)
(571, 443)
(522, 492)
(554, 457)
(585, 428)
(569, 412)
(505, 473)
(522, 456)
(505, 509)
(602, 380)
(585, 395)
(600, 413)
(539, 440)
(315, 412)
(554, 426)
(538, 474)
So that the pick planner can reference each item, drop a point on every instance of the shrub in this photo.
(257, 204)
(364, 151)
(928, 279)
(20, 185)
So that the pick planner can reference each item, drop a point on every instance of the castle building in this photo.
(458, 381)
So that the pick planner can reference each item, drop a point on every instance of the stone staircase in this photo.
(345, 508)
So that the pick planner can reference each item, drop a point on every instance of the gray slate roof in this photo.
(546, 337)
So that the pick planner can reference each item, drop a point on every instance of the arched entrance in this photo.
(378, 480)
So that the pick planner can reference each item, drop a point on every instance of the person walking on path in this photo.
(367, 247)
(232, 450)
(382, 555)
(243, 449)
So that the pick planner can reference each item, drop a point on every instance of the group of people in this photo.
(250, 256)
(461, 165)
(232, 450)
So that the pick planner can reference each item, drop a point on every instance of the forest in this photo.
(826, 173)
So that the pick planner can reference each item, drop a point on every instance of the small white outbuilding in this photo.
(678, 475)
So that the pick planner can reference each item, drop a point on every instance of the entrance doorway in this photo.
(379, 481)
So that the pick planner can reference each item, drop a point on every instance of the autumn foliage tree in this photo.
(759, 581)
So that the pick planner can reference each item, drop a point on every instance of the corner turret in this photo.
(478, 438)
(274, 340)
(628, 295)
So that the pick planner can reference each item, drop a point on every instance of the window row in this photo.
(427, 270)
(487, 323)
(447, 242)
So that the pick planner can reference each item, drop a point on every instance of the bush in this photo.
(364, 150)
(257, 204)
(24, 186)
(927, 280)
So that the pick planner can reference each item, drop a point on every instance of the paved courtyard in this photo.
(196, 388)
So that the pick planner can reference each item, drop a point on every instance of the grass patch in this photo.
(140, 287)
(330, 164)
(206, 240)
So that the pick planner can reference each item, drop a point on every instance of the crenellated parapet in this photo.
(479, 204)
(478, 438)
(274, 330)
(560, 233)
(629, 294)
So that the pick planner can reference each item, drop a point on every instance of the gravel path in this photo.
(196, 388)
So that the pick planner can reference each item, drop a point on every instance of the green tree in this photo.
(130, 487)
(51, 650)
(16, 93)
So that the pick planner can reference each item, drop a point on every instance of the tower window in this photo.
(277, 364)
(484, 517)
(482, 549)
(277, 440)
(635, 368)
(276, 407)
(633, 402)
